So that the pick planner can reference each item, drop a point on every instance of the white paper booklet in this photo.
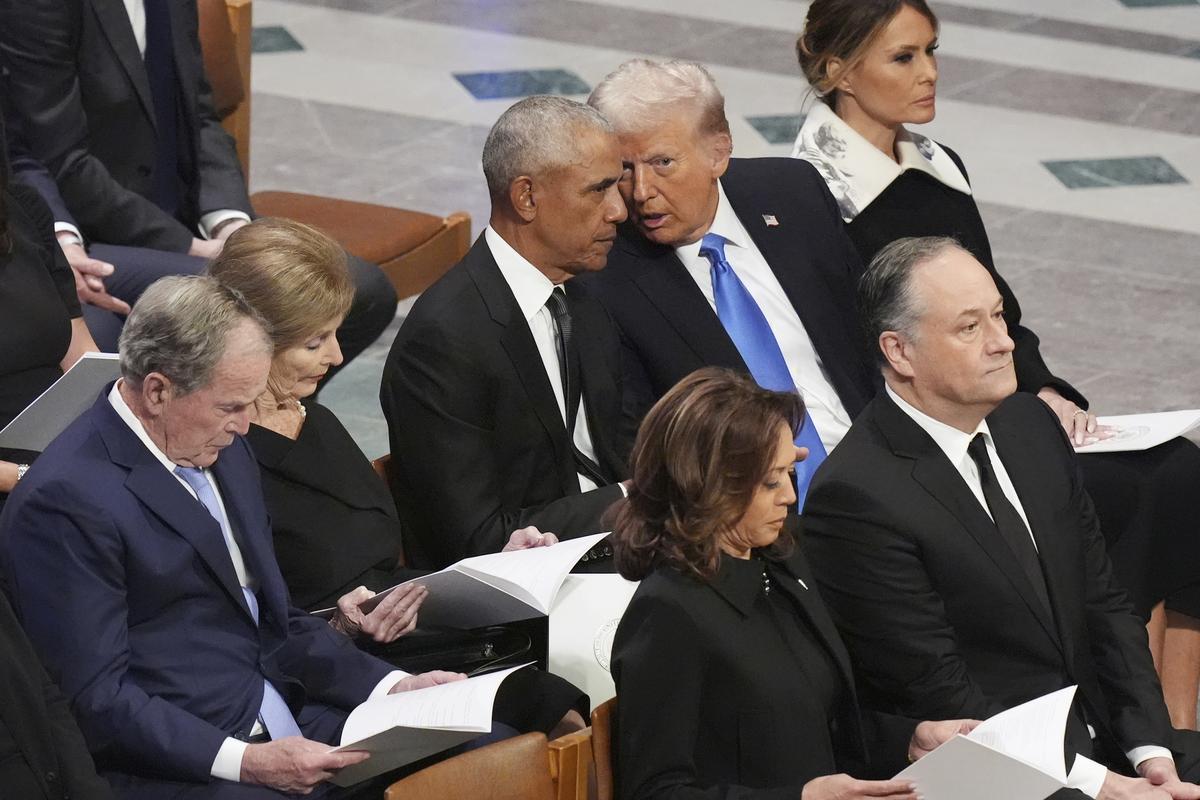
(1015, 755)
(1143, 431)
(398, 729)
(57, 407)
(583, 621)
(498, 587)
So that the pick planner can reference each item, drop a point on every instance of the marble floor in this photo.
(1079, 121)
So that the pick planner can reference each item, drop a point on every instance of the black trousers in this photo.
(372, 310)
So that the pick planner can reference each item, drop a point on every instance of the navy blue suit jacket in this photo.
(124, 583)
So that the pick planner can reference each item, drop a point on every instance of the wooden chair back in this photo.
(226, 32)
(571, 766)
(513, 769)
(603, 719)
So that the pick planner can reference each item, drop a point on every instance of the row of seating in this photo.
(412, 248)
(574, 767)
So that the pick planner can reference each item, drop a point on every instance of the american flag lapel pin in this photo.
(770, 220)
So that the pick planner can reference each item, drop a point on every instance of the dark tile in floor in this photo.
(777, 128)
(273, 39)
(1108, 172)
(521, 83)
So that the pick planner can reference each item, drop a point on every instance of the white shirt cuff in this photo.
(1087, 776)
(66, 227)
(385, 685)
(1139, 754)
(228, 763)
(214, 218)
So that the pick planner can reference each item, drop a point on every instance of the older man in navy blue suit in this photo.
(138, 555)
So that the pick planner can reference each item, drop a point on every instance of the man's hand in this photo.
(843, 787)
(395, 615)
(1161, 773)
(525, 538)
(1082, 427)
(89, 278)
(424, 680)
(294, 764)
(206, 248)
(930, 735)
(1118, 787)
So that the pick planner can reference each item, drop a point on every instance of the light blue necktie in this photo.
(751, 334)
(274, 712)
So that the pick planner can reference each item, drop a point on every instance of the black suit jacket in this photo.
(934, 608)
(49, 760)
(708, 710)
(478, 444)
(79, 86)
(669, 330)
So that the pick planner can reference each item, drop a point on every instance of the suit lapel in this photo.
(232, 471)
(809, 602)
(668, 286)
(114, 21)
(601, 396)
(1055, 562)
(517, 341)
(934, 472)
(783, 247)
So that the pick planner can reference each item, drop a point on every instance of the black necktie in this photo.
(568, 367)
(1008, 521)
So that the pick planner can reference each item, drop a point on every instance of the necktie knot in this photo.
(194, 476)
(712, 247)
(977, 450)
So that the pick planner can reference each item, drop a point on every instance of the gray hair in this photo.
(179, 328)
(886, 298)
(640, 94)
(534, 135)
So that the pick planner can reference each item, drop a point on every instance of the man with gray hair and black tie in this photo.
(958, 549)
(502, 389)
(139, 558)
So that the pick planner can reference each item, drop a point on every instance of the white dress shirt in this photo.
(804, 365)
(532, 289)
(1086, 775)
(136, 9)
(228, 762)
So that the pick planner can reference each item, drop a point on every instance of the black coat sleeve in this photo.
(39, 46)
(445, 440)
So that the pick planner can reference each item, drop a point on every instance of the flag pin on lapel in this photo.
(770, 220)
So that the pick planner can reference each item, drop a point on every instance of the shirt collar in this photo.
(725, 224)
(950, 440)
(529, 285)
(854, 169)
(126, 414)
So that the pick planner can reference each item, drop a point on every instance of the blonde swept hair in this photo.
(293, 274)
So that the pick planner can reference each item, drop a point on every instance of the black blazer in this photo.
(478, 444)
(333, 520)
(916, 204)
(706, 710)
(42, 753)
(934, 608)
(668, 328)
(79, 85)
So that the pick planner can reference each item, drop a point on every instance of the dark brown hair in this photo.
(700, 454)
(845, 29)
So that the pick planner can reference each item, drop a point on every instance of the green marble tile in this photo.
(273, 39)
(1102, 172)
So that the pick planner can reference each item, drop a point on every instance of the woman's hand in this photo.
(1081, 427)
(395, 616)
(8, 477)
(930, 735)
(843, 787)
